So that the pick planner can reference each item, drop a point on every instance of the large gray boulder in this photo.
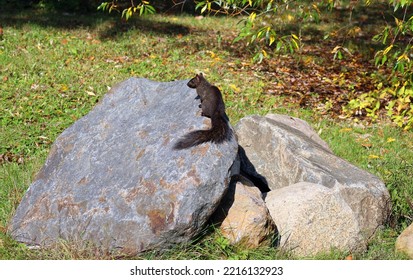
(285, 151)
(112, 179)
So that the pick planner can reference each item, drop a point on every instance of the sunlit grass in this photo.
(54, 68)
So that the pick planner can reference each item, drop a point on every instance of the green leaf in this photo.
(204, 9)
(383, 59)
(200, 4)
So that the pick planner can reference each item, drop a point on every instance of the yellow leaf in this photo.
(389, 140)
(272, 39)
(398, 21)
(235, 88)
(212, 54)
(64, 88)
(387, 49)
(346, 129)
(264, 53)
(373, 156)
(403, 57)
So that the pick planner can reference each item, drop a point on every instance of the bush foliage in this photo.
(263, 29)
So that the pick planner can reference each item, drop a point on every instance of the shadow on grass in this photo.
(148, 25)
(110, 26)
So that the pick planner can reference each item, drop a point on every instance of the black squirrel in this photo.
(213, 107)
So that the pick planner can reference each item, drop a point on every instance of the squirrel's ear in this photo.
(199, 76)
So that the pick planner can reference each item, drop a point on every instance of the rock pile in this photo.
(317, 200)
(113, 179)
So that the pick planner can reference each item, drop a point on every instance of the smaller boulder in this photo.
(313, 219)
(244, 216)
(285, 150)
(404, 242)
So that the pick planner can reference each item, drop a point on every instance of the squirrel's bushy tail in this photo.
(218, 133)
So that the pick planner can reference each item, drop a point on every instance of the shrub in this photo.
(263, 29)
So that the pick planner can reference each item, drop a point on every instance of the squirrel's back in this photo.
(213, 107)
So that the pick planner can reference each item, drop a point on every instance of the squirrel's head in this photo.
(194, 82)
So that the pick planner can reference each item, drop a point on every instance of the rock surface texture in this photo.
(112, 178)
(286, 151)
(404, 242)
(243, 216)
(313, 219)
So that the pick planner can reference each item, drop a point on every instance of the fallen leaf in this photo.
(366, 145)
(212, 54)
(64, 87)
(235, 88)
(389, 140)
(373, 156)
(349, 257)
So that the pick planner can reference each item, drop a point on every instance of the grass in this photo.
(54, 68)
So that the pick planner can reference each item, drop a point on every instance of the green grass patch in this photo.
(55, 67)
